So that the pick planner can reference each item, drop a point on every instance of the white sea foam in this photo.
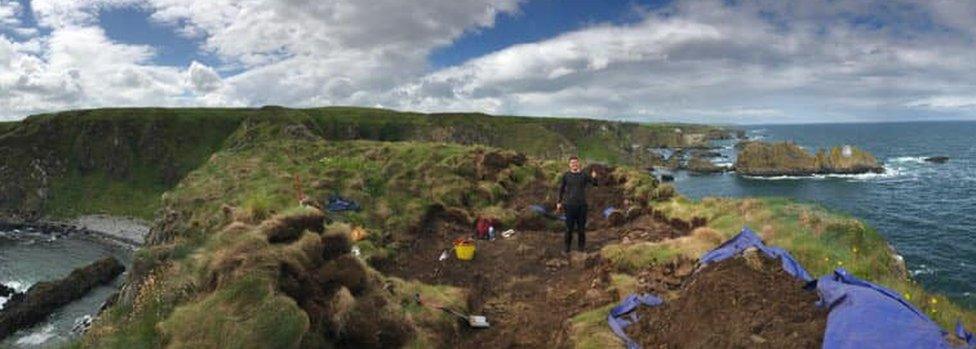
(922, 270)
(888, 173)
(777, 178)
(18, 287)
(908, 159)
(37, 338)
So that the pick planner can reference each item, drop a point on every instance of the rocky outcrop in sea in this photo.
(788, 159)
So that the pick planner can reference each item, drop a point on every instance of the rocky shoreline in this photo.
(26, 309)
(126, 232)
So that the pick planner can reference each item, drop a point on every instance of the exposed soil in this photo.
(529, 291)
(741, 302)
(524, 285)
(605, 194)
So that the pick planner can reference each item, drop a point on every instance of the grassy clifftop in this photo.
(119, 161)
(233, 259)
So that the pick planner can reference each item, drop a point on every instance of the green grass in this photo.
(429, 320)
(75, 195)
(589, 330)
(394, 182)
(7, 126)
(91, 156)
(207, 168)
(821, 240)
(634, 258)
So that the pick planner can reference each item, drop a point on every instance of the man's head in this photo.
(574, 163)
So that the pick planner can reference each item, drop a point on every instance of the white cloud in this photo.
(80, 67)
(708, 60)
(945, 103)
(309, 52)
(296, 53)
(757, 61)
(202, 78)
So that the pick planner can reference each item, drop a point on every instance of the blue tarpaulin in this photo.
(865, 315)
(543, 211)
(861, 314)
(747, 239)
(961, 333)
(339, 204)
(625, 314)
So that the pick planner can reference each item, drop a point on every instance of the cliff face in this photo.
(119, 161)
(115, 161)
(788, 159)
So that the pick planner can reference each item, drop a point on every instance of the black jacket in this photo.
(572, 188)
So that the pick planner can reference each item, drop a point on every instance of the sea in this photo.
(29, 257)
(926, 211)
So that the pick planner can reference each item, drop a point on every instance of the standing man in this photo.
(572, 197)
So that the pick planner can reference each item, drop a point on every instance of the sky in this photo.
(709, 61)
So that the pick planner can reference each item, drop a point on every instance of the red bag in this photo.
(481, 228)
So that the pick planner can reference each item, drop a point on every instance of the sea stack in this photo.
(788, 159)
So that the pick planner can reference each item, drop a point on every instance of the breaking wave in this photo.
(37, 338)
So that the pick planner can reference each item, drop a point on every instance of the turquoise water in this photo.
(26, 258)
(926, 211)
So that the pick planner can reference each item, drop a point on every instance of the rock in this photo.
(848, 160)
(788, 159)
(937, 159)
(667, 178)
(6, 291)
(47, 296)
(706, 153)
(700, 164)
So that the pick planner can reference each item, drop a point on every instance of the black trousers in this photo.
(575, 221)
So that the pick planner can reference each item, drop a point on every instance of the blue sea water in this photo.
(27, 258)
(925, 210)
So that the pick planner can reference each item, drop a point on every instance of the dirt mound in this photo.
(346, 304)
(678, 223)
(488, 164)
(741, 302)
(287, 228)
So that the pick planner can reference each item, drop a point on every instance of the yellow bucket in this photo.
(464, 250)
